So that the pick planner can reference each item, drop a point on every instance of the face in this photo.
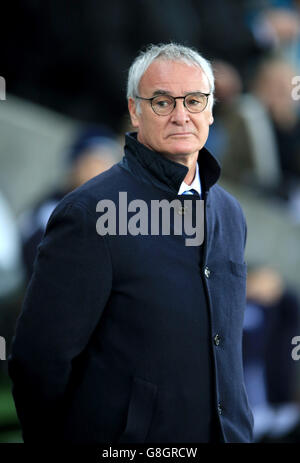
(181, 132)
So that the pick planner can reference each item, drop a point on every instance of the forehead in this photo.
(173, 77)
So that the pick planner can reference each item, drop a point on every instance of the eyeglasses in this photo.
(163, 105)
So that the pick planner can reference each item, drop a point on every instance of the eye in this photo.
(163, 101)
(195, 100)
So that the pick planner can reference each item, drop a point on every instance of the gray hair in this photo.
(166, 51)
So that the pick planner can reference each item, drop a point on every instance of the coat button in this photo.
(220, 410)
(182, 210)
(207, 272)
(217, 340)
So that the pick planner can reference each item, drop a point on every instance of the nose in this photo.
(180, 115)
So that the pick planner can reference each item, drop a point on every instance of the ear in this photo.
(210, 109)
(133, 113)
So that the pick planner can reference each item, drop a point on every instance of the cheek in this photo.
(153, 128)
(149, 131)
(204, 124)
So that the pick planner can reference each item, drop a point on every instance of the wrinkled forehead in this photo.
(173, 76)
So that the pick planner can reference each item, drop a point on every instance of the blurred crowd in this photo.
(74, 59)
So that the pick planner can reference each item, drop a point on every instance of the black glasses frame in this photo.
(176, 98)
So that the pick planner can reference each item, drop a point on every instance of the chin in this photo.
(184, 148)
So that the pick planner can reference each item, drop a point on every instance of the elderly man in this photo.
(129, 336)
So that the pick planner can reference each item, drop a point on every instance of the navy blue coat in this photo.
(118, 335)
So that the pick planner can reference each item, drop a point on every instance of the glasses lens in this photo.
(163, 104)
(196, 102)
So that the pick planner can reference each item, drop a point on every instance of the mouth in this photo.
(181, 134)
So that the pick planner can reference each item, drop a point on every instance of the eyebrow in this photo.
(167, 92)
(161, 92)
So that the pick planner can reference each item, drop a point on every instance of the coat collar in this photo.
(168, 172)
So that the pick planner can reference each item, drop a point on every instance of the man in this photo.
(128, 337)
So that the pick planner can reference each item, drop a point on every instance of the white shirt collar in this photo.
(195, 185)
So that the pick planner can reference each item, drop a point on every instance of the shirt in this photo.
(195, 185)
